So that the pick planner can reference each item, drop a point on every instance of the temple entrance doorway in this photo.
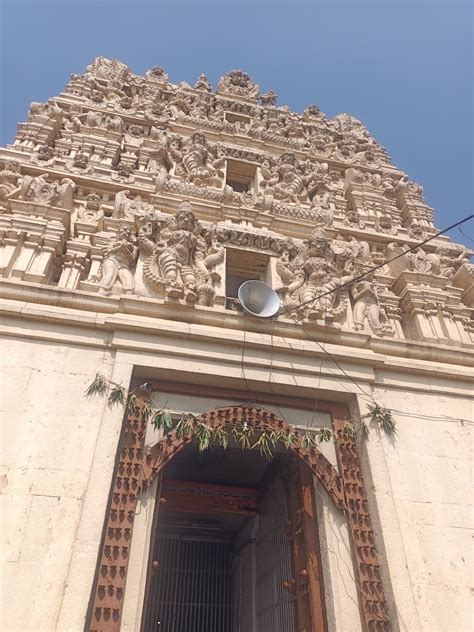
(226, 545)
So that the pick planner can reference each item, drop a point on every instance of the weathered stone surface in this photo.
(124, 204)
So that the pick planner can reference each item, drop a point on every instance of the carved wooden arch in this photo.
(259, 419)
(136, 470)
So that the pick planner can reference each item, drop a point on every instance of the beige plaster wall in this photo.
(422, 483)
(58, 453)
(50, 440)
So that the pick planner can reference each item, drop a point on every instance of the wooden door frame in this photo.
(136, 470)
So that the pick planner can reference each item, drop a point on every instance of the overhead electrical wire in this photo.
(368, 396)
(365, 394)
(465, 235)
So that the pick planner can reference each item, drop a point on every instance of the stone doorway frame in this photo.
(136, 471)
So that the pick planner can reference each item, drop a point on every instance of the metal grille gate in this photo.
(192, 591)
(275, 610)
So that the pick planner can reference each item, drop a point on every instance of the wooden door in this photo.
(306, 584)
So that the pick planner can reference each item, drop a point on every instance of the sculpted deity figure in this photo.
(353, 218)
(366, 305)
(321, 142)
(119, 257)
(157, 73)
(268, 99)
(9, 178)
(322, 205)
(134, 136)
(157, 163)
(45, 156)
(386, 224)
(80, 161)
(450, 263)
(179, 106)
(286, 181)
(238, 83)
(74, 119)
(420, 261)
(311, 280)
(124, 172)
(181, 260)
(203, 84)
(312, 113)
(103, 121)
(203, 106)
(91, 212)
(41, 111)
(415, 230)
(200, 163)
(294, 131)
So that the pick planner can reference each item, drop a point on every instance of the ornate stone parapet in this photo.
(30, 246)
(464, 279)
(432, 309)
(75, 263)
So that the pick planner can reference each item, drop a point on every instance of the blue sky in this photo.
(404, 67)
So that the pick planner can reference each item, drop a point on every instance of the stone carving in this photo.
(415, 230)
(157, 73)
(106, 69)
(41, 111)
(420, 261)
(449, 264)
(322, 143)
(225, 234)
(74, 118)
(181, 257)
(203, 107)
(124, 173)
(140, 128)
(92, 211)
(37, 189)
(268, 99)
(311, 113)
(119, 258)
(311, 278)
(103, 121)
(349, 252)
(156, 110)
(45, 156)
(392, 188)
(295, 132)
(238, 84)
(97, 97)
(126, 207)
(386, 224)
(322, 204)
(197, 161)
(9, 179)
(287, 179)
(203, 84)
(352, 218)
(80, 161)
(367, 307)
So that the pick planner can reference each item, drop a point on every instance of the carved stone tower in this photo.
(131, 211)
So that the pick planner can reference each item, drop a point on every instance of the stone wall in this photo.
(60, 450)
(127, 204)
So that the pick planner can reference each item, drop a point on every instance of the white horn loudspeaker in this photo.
(258, 299)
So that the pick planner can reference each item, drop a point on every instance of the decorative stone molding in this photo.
(114, 148)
